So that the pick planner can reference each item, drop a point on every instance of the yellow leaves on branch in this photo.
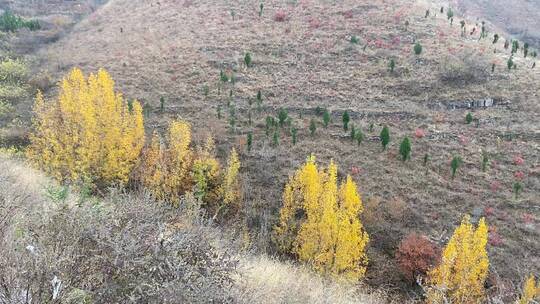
(89, 133)
(173, 167)
(319, 222)
(531, 291)
(464, 267)
(165, 166)
(230, 188)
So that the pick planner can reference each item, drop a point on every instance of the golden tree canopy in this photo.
(88, 133)
(464, 267)
(329, 235)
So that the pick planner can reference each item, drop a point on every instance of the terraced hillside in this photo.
(313, 55)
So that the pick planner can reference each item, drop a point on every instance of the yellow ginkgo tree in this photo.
(319, 222)
(172, 166)
(531, 291)
(464, 266)
(89, 133)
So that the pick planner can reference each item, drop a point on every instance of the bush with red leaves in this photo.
(280, 16)
(416, 255)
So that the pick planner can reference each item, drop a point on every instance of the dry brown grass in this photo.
(265, 280)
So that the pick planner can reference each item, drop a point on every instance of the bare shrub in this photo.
(126, 249)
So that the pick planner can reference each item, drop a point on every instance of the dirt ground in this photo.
(303, 59)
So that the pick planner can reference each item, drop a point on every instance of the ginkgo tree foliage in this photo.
(172, 166)
(89, 133)
(464, 266)
(329, 236)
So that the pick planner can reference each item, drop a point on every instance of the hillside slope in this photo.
(37, 246)
(303, 58)
(520, 18)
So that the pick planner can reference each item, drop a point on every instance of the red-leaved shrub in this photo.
(280, 16)
(494, 238)
(518, 160)
(528, 218)
(419, 133)
(415, 255)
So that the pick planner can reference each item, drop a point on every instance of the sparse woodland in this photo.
(302, 152)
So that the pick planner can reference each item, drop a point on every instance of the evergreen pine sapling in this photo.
(455, 164)
(385, 137)
(346, 120)
(223, 77)
(147, 109)
(517, 189)
(282, 117)
(359, 136)
(417, 48)
(247, 59)
(485, 160)
(405, 149)
(326, 118)
(510, 63)
(449, 14)
(468, 118)
(275, 140)
(312, 127)
(249, 141)
(483, 33)
(294, 134)
(515, 46)
(162, 104)
(353, 132)
(392, 65)
(269, 124)
(426, 159)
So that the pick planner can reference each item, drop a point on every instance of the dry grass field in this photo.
(304, 61)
